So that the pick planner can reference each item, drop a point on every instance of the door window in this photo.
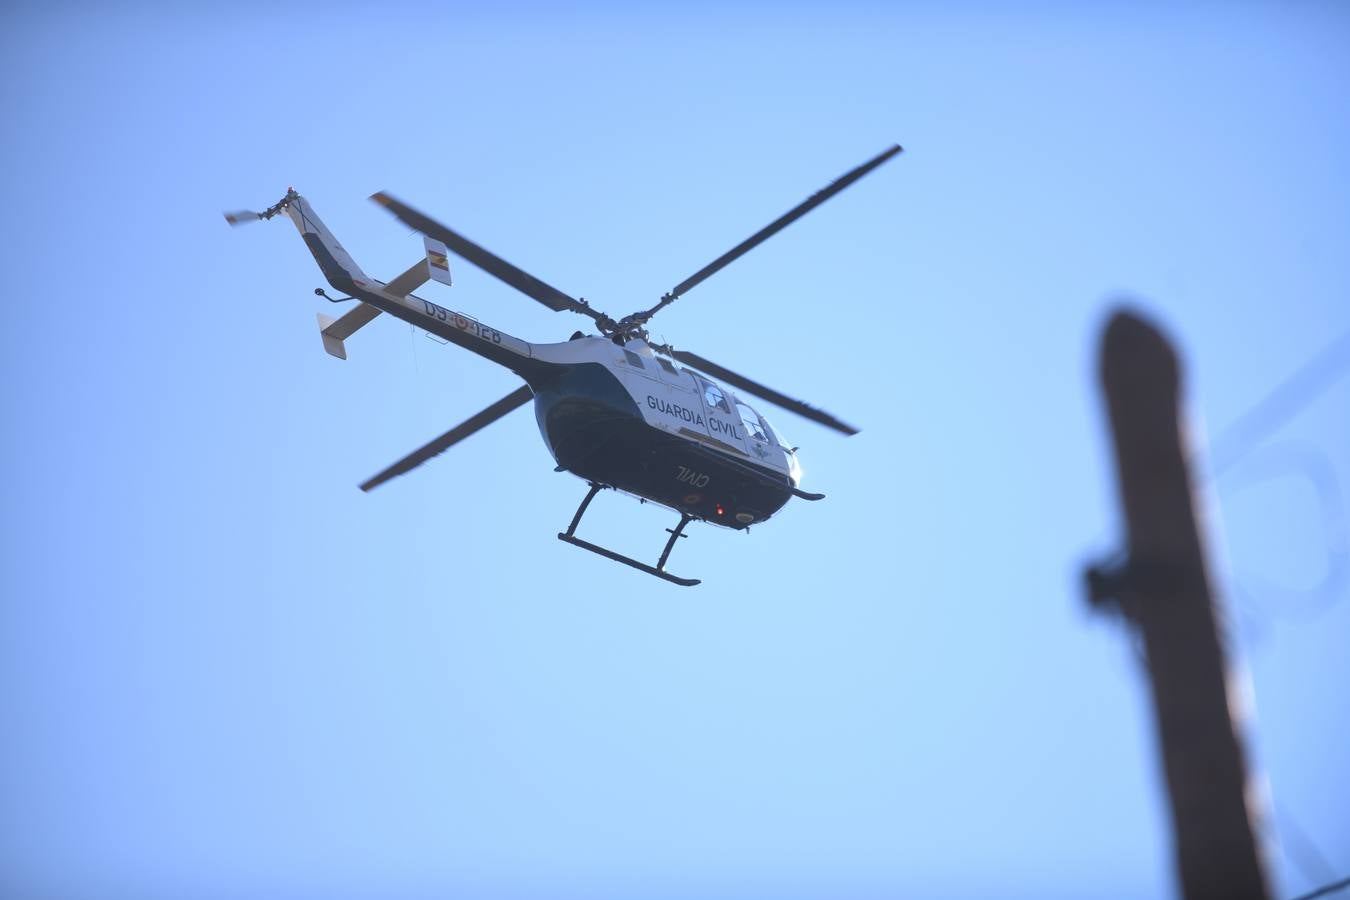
(714, 397)
(754, 428)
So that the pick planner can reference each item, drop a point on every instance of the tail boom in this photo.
(395, 298)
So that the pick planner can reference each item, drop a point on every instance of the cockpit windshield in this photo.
(775, 435)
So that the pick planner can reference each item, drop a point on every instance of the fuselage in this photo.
(616, 415)
(625, 417)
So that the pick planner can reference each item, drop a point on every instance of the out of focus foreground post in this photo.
(1162, 588)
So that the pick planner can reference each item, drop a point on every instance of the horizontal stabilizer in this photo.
(335, 331)
(433, 265)
(409, 281)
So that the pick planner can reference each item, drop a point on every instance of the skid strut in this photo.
(659, 570)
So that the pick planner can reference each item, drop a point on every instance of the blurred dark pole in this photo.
(1162, 587)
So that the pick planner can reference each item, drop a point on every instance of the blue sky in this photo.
(226, 672)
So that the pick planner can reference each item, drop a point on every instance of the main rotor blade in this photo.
(694, 361)
(783, 221)
(518, 397)
(489, 262)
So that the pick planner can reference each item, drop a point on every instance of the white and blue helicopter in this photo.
(613, 408)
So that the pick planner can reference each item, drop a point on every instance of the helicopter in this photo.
(614, 408)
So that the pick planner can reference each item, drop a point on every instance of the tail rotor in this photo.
(244, 216)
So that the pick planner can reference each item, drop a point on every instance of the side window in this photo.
(713, 396)
(665, 364)
(753, 427)
(634, 360)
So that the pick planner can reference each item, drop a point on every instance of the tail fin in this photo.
(342, 271)
(338, 267)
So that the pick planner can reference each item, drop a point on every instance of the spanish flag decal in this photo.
(437, 259)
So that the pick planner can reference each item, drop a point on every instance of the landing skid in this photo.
(658, 570)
